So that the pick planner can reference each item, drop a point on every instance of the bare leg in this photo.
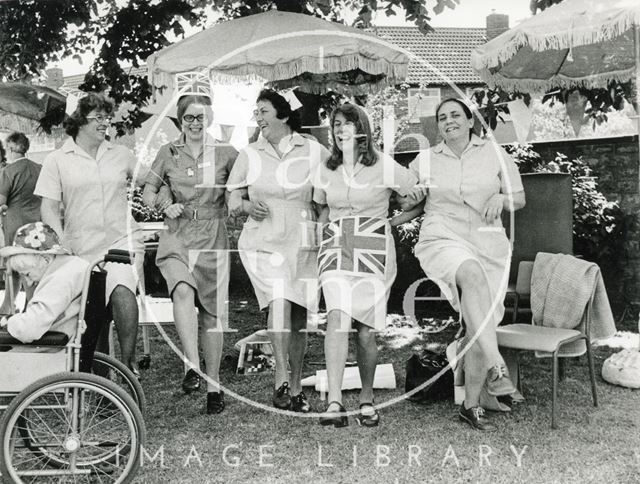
(475, 373)
(475, 304)
(125, 316)
(212, 340)
(367, 361)
(297, 346)
(184, 314)
(336, 347)
(279, 326)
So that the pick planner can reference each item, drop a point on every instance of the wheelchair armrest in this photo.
(50, 338)
(119, 256)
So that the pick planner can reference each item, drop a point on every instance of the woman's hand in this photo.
(493, 208)
(257, 210)
(174, 210)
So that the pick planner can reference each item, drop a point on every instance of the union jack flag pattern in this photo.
(354, 245)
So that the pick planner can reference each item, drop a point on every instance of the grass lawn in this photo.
(414, 443)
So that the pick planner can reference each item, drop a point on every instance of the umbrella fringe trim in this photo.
(540, 85)
(397, 71)
(589, 34)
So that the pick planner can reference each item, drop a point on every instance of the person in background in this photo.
(18, 204)
(191, 252)
(89, 176)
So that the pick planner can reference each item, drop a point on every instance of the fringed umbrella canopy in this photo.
(37, 103)
(295, 49)
(581, 43)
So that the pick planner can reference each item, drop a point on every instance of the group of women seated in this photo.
(297, 196)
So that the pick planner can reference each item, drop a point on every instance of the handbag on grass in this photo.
(423, 367)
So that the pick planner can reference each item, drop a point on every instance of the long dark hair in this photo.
(282, 107)
(92, 101)
(365, 146)
(459, 102)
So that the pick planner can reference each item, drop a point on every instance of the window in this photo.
(423, 103)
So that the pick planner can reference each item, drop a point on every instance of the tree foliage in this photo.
(34, 33)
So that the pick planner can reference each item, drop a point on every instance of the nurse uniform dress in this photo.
(97, 217)
(453, 230)
(357, 258)
(193, 249)
(273, 250)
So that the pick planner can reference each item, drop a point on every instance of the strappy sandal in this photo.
(337, 419)
(368, 419)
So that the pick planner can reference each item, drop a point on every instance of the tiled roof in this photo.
(448, 49)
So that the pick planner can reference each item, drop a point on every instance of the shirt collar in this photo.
(70, 146)
(208, 141)
(474, 141)
(296, 139)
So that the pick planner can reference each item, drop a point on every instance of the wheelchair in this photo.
(70, 414)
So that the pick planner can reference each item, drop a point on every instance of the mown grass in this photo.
(592, 444)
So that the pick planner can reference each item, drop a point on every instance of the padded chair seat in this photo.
(534, 338)
(50, 338)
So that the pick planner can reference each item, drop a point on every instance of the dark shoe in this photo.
(299, 403)
(498, 381)
(282, 397)
(191, 382)
(370, 418)
(337, 419)
(215, 402)
(474, 416)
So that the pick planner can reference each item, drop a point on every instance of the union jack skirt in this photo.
(357, 266)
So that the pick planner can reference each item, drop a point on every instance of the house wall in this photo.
(616, 164)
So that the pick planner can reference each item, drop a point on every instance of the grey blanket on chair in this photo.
(561, 288)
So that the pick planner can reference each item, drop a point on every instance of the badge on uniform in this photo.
(190, 172)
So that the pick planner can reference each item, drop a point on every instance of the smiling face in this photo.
(453, 122)
(344, 133)
(272, 128)
(195, 121)
(98, 123)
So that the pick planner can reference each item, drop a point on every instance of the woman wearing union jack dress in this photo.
(357, 259)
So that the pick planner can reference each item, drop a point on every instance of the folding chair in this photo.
(529, 337)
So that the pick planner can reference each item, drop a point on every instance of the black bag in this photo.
(421, 368)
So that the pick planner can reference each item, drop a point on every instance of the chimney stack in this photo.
(497, 23)
(55, 78)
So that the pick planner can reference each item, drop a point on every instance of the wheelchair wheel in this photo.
(116, 371)
(71, 427)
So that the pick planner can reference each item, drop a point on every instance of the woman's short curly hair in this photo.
(282, 107)
(90, 102)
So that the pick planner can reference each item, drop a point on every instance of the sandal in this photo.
(369, 419)
(337, 419)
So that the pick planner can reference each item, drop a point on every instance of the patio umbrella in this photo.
(287, 48)
(576, 43)
(583, 43)
(38, 103)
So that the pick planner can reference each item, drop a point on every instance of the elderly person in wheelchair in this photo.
(62, 421)
(38, 257)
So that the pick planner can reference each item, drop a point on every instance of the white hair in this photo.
(25, 262)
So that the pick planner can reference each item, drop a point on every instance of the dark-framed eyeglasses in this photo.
(190, 118)
(101, 118)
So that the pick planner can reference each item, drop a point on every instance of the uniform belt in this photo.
(202, 213)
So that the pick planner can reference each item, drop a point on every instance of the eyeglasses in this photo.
(101, 118)
(190, 118)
